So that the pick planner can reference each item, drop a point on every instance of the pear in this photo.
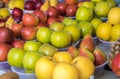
(45, 6)
(100, 56)
(53, 2)
(86, 53)
(88, 42)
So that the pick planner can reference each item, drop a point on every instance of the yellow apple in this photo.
(44, 68)
(65, 71)
(85, 66)
(63, 56)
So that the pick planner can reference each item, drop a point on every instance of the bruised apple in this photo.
(4, 48)
(30, 19)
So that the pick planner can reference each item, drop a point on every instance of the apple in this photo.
(4, 49)
(17, 19)
(42, 24)
(74, 31)
(29, 5)
(61, 6)
(44, 68)
(29, 61)
(42, 16)
(38, 4)
(43, 35)
(51, 20)
(71, 10)
(61, 39)
(69, 2)
(86, 28)
(88, 4)
(17, 12)
(6, 35)
(47, 49)
(28, 33)
(30, 19)
(52, 12)
(31, 45)
(18, 43)
(65, 71)
(16, 28)
(15, 57)
(63, 56)
(2, 22)
(57, 26)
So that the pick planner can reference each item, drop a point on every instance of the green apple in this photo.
(47, 49)
(29, 61)
(57, 26)
(84, 14)
(86, 28)
(74, 31)
(69, 21)
(88, 4)
(15, 57)
(61, 39)
(31, 45)
(43, 34)
(97, 1)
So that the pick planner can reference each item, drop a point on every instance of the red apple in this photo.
(29, 5)
(38, 4)
(28, 33)
(42, 16)
(52, 20)
(61, 6)
(41, 24)
(17, 12)
(69, 2)
(18, 43)
(6, 35)
(115, 64)
(52, 12)
(71, 10)
(30, 19)
(16, 28)
(4, 49)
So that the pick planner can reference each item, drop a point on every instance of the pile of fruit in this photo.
(32, 32)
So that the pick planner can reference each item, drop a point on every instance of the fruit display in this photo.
(54, 39)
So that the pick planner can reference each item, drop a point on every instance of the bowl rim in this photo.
(3, 62)
(20, 73)
(103, 41)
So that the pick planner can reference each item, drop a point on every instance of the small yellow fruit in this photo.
(104, 31)
(65, 71)
(4, 12)
(114, 15)
(63, 56)
(85, 67)
(19, 4)
(115, 34)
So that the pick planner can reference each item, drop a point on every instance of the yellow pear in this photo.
(10, 4)
(45, 6)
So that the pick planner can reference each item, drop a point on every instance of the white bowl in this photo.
(5, 66)
(22, 74)
(99, 70)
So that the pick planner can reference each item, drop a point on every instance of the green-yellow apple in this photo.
(31, 45)
(15, 57)
(69, 21)
(57, 26)
(44, 68)
(61, 39)
(64, 70)
(84, 14)
(74, 31)
(86, 28)
(29, 61)
(43, 34)
(47, 49)
(88, 4)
